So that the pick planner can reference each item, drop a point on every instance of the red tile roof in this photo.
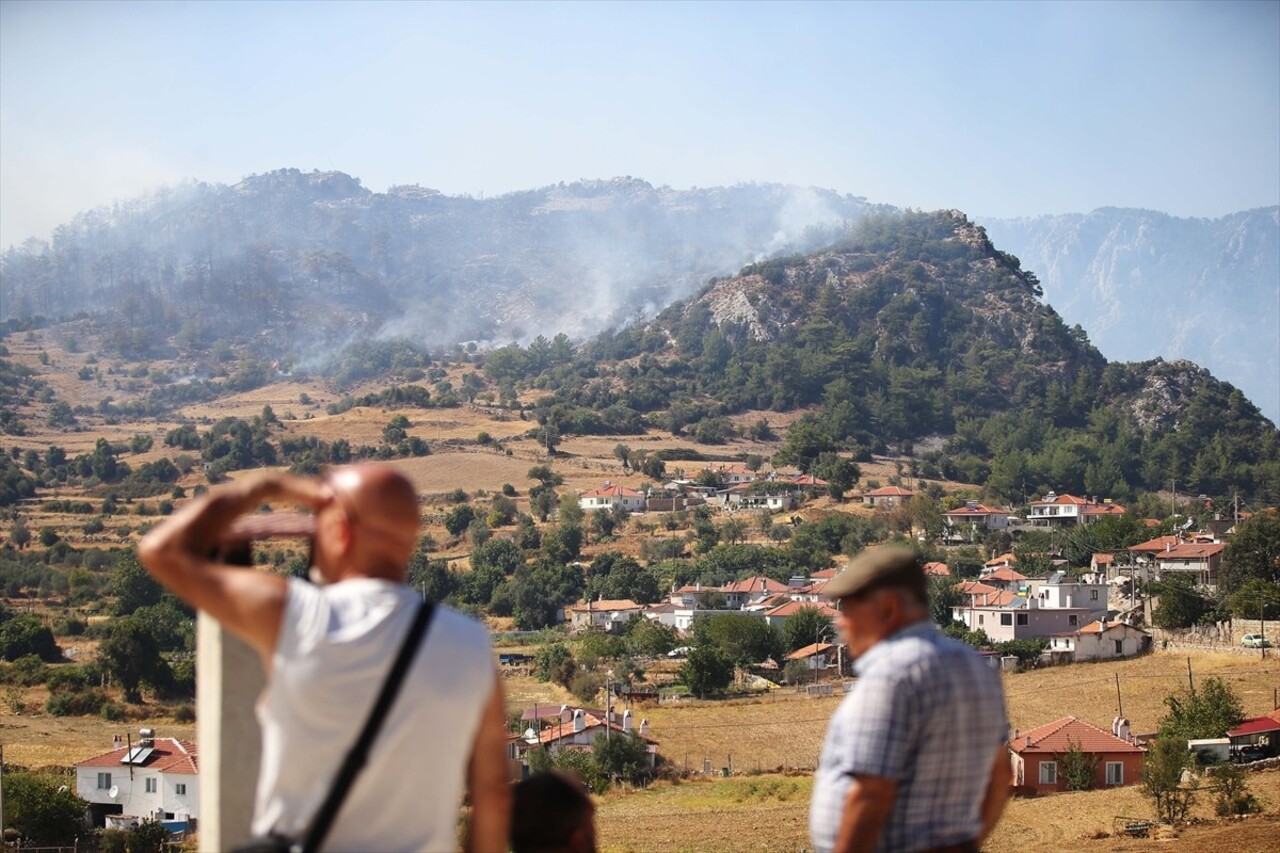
(890, 492)
(1058, 736)
(1003, 560)
(980, 509)
(1151, 546)
(998, 598)
(614, 490)
(1004, 573)
(170, 756)
(808, 480)
(810, 650)
(1060, 500)
(1104, 559)
(824, 574)
(939, 569)
(791, 607)
(1255, 726)
(1104, 509)
(758, 583)
(607, 604)
(1191, 551)
(976, 588)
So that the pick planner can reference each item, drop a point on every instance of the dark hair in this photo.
(548, 809)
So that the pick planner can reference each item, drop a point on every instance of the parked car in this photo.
(1255, 641)
(682, 651)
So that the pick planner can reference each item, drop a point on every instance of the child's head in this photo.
(552, 813)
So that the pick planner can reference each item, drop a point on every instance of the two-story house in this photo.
(974, 520)
(610, 615)
(1054, 509)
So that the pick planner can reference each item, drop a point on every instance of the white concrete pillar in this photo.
(228, 680)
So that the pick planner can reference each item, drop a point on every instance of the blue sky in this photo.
(1000, 109)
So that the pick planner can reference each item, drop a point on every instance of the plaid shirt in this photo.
(928, 712)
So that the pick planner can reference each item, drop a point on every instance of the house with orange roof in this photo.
(578, 729)
(1099, 640)
(1199, 561)
(611, 496)
(739, 593)
(973, 520)
(1005, 559)
(733, 475)
(1005, 577)
(1036, 756)
(817, 655)
(887, 497)
(777, 616)
(148, 778)
(610, 615)
(940, 570)
(1055, 509)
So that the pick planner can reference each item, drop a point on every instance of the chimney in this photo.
(644, 728)
(626, 721)
(578, 722)
(117, 741)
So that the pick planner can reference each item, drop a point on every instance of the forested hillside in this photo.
(916, 329)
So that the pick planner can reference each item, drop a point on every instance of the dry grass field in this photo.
(771, 813)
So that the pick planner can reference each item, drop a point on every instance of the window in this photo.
(1115, 773)
(1073, 620)
(1006, 618)
(1022, 618)
(151, 785)
(982, 619)
(104, 781)
(1049, 772)
(1119, 647)
(1093, 594)
(180, 789)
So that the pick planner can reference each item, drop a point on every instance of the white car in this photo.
(682, 651)
(1255, 641)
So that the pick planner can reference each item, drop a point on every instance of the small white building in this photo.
(154, 778)
(612, 495)
(1101, 641)
(1088, 591)
(605, 615)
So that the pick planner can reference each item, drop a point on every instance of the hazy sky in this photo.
(1000, 109)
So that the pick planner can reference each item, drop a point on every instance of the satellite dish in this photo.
(114, 792)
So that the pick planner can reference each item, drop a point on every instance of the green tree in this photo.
(706, 671)
(131, 655)
(1233, 792)
(943, 597)
(1162, 769)
(1079, 768)
(131, 585)
(458, 519)
(23, 634)
(1253, 553)
(622, 758)
(500, 554)
(650, 638)
(1180, 606)
(742, 639)
(804, 627)
(42, 808)
(1206, 713)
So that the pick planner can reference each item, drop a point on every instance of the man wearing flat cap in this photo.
(914, 758)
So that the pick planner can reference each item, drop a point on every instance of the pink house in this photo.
(1036, 755)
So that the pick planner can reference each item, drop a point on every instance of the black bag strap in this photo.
(358, 755)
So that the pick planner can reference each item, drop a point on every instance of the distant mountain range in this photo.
(305, 262)
(1145, 284)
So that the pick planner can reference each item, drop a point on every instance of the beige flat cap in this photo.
(888, 565)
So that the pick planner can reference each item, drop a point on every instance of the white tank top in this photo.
(336, 645)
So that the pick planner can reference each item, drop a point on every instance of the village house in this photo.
(1059, 591)
(1036, 756)
(740, 593)
(973, 520)
(1199, 561)
(577, 729)
(748, 496)
(777, 616)
(154, 778)
(612, 496)
(817, 656)
(1099, 640)
(887, 497)
(1055, 509)
(603, 615)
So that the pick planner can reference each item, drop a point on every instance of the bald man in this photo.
(326, 648)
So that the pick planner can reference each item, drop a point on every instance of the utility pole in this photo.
(1190, 684)
(1119, 705)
